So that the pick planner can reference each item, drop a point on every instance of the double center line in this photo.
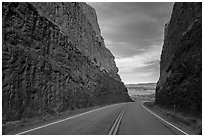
(115, 127)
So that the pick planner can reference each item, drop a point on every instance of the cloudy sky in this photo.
(134, 34)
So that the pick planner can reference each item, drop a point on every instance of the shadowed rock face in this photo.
(180, 82)
(51, 63)
(78, 21)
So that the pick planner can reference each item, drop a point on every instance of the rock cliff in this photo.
(78, 21)
(180, 82)
(54, 59)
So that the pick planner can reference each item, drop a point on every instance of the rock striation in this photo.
(78, 21)
(180, 82)
(54, 59)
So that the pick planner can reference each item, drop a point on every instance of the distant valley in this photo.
(142, 91)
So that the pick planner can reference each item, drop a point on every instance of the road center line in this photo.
(164, 120)
(66, 119)
(116, 124)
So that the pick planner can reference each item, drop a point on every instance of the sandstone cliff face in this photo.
(180, 82)
(48, 66)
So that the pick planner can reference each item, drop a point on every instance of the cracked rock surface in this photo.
(180, 82)
(53, 60)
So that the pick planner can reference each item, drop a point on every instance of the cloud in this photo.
(148, 58)
(122, 49)
(140, 68)
(133, 31)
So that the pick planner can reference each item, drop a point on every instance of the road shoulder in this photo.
(189, 124)
(16, 127)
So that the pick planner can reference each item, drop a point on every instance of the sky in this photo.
(134, 32)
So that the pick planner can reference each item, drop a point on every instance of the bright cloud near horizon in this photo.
(133, 32)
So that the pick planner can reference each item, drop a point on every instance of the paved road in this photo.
(134, 121)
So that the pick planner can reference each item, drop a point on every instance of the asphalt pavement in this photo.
(123, 119)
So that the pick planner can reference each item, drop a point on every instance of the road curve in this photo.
(129, 119)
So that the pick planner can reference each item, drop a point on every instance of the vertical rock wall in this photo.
(180, 82)
(44, 71)
(78, 21)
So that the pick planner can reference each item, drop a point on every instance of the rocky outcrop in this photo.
(78, 21)
(180, 82)
(53, 60)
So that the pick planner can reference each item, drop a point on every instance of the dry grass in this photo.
(188, 123)
(139, 98)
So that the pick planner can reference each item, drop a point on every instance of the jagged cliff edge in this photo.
(180, 82)
(54, 59)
